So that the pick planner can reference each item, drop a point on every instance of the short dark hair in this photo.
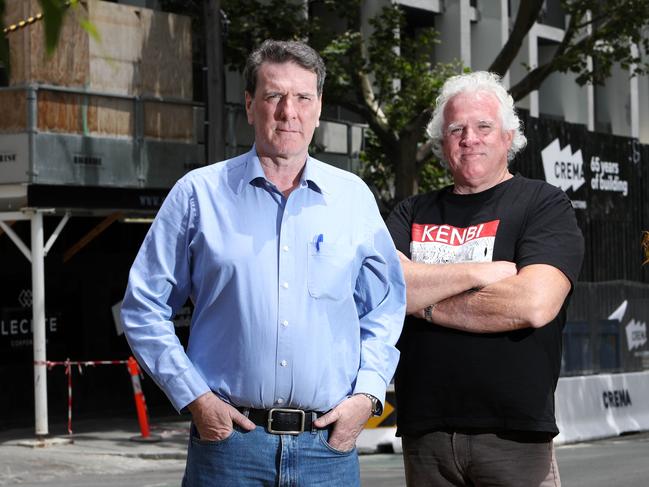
(281, 52)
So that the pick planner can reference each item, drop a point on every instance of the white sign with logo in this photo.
(562, 167)
(565, 169)
(636, 334)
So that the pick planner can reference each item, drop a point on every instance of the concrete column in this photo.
(455, 32)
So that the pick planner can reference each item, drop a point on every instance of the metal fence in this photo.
(606, 329)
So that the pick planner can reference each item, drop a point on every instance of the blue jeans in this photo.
(258, 458)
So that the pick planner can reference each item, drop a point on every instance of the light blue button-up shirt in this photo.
(298, 300)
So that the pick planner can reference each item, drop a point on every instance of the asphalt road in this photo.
(619, 462)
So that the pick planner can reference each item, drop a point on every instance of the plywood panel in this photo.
(169, 122)
(111, 117)
(59, 112)
(84, 115)
(19, 47)
(14, 111)
(166, 67)
(141, 51)
(115, 60)
(67, 66)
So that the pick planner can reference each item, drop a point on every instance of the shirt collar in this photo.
(313, 176)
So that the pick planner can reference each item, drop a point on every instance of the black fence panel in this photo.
(605, 177)
(606, 330)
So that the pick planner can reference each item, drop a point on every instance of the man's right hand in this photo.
(496, 271)
(214, 418)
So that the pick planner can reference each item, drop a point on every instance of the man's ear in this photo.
(317, 124)
(249, 113)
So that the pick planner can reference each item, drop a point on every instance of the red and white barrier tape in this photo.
(68, 371)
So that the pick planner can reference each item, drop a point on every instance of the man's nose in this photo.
(286, 109)
(469, 136)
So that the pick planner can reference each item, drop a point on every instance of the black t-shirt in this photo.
(449, 379)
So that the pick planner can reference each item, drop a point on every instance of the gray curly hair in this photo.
(474, 82)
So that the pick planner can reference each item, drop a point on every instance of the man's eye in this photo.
(456, 130)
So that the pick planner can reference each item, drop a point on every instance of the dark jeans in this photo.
(441, 459)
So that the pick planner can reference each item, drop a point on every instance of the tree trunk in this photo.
(405, 167)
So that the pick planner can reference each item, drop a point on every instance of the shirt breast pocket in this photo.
(329, 271)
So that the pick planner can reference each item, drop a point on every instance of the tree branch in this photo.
(367, 94)
(535, 77)
(528, 12)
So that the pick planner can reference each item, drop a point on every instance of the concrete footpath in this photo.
(97, 447)
(101, 453)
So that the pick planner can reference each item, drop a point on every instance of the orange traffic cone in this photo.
(140, 404)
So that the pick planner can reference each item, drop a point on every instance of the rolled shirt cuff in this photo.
(185, 388)
(371, 383)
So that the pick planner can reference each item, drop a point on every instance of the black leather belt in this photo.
(283, 421)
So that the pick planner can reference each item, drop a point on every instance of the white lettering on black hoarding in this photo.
(23, 326)
(636, 334)
(605, 176)
(564, 169)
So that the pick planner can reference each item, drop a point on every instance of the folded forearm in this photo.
(431, 283)
(530, 299)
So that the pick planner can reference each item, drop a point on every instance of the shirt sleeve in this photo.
(551, 234)
(159, 284)
(380, 296)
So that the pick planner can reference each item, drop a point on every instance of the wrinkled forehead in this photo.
(287, 73)
(475, 105)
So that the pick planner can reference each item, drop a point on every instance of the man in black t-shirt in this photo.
(489, 263)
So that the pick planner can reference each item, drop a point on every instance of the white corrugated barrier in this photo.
(587, 408)
(597, 406)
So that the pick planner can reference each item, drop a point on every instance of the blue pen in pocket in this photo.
(319, 239)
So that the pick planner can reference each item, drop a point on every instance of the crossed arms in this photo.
(486, 297)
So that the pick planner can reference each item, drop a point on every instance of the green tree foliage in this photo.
(53, 13)
(608, 32)
(389, 80)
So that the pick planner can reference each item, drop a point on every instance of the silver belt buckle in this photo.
(269, 425)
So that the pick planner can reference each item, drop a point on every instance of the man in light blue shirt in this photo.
(297, 289)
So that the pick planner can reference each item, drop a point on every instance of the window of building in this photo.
(552, 14)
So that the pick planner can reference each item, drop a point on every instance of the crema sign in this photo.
(564, 168)
(616, 399)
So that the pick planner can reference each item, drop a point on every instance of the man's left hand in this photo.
(348, 419)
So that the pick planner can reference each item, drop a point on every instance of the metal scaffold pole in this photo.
(38, 309)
